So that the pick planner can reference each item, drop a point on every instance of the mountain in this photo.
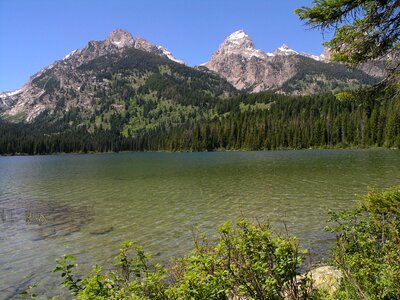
(119, 75)
(68, 83)
(146, 86)
(282, 70)
(129, 94)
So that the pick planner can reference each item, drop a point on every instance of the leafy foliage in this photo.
(368, 29)
(247, 261)
(368, 247)
(133, 278)
(65, 266)
(364, 30)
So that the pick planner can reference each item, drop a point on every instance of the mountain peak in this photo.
(237, 35)
(284, 47)
(120, 38)
(239, 39)
(284, 50)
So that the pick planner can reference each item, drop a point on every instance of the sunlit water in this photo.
(85, 205)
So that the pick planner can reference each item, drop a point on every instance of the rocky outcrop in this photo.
(144, 45)
(120, 38)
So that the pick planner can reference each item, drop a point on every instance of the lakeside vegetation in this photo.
(249, 261)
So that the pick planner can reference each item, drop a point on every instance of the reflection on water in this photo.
(85, 205)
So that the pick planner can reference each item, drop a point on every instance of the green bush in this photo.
(368, 247)
(133, 278)
(247, 262)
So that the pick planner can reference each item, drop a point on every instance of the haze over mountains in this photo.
(76, 80)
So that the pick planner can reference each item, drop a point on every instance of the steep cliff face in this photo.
(255, 70)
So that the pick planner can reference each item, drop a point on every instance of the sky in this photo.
(35, 33)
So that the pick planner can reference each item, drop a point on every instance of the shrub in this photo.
(367, 250)
(247, 261)
(133, 278)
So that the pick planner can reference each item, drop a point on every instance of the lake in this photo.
(85, 205)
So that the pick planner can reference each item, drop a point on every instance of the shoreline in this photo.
(205, 151)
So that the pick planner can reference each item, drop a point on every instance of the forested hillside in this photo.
(246, 122)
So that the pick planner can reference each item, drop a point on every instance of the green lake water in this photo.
(85, 205)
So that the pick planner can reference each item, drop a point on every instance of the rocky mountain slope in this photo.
(112, 76)
(283, 70)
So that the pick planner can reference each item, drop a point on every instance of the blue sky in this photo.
(35, 33)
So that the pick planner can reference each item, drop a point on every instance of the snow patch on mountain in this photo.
(284, 50)
(70, 54)
(11, 93)
(169, 55)
(237, 37)
(240, 43)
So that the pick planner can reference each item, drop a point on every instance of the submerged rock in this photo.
(103, 230)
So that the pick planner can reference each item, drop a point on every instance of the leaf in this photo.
(58, 269)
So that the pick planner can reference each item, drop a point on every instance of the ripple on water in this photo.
(85, 205)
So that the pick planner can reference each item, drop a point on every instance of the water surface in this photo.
(86, 205)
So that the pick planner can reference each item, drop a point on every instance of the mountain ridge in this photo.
(139, 43)
(13, 103)
(237, 60)
(118, 38)
(70, 82)
(254, 70)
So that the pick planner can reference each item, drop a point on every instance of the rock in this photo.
(120, 38)
(102, 230)
(326, 278)
(144, 45)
